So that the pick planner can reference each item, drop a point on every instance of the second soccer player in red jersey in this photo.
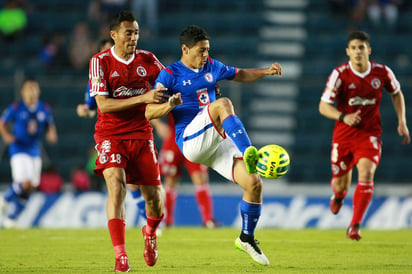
(352, 97)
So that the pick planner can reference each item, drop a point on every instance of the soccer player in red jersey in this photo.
(171, 162)
(352, 97)
(119, 78)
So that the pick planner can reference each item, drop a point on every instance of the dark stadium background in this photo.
(245, 34)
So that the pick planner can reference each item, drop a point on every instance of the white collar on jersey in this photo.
(120, 59)
(363, 74)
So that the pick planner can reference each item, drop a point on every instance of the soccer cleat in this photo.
(212, 224)
(353, 232)
(335, 204)
(3, 206)
(10, 223)
(122, 264)
(250, 157)
(150, 248)
(253, 250)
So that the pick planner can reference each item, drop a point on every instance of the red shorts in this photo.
(137, 157)
(344, 156)
(172, 160)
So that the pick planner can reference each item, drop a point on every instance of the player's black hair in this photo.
(359, 35)
(104, 41)
(120, 17)
(193, 34)
(29, 78)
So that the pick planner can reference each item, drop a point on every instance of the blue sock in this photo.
(236, 131)
(13, 192)
(140, 203)
(250, 215)
(18, 206)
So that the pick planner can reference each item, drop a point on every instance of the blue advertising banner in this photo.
(69, 210)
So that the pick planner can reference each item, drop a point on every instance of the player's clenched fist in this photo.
(275, 69)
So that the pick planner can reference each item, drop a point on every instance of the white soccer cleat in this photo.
(9, 223)
(253, 250)
(3, 205)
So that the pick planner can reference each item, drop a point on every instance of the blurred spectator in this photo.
(384, 13)
(80, 180)
(52, 52)
(146, 13)
(101, 10)
(13, 20)
(50, 181)
(81, 46)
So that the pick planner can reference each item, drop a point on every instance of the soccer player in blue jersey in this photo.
(30, 118)
(208, 130)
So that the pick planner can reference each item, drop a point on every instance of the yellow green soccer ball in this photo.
(273, 162)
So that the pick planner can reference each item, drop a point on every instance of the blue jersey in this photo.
(197, 88)
(88, 100)
(28, 126)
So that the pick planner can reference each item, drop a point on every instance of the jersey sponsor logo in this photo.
(186, 82)
(376, 83)
(128, 92)
(352, 86)
(203, 97)
(115, 74)
(141, 71)
(41, 116)
(209, 77)
(359, 101)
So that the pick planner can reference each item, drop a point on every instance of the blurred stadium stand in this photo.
(303, 35)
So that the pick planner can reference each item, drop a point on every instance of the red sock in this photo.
(204, 202)
(117, 229)
(361, 199)
(153, 224)
(170, 203)
(338, 195)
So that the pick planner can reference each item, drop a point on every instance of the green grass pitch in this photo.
(199, 250)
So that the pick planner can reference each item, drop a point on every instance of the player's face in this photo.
(125, 38)
(30, 92)
(198, 54)
(358, 52)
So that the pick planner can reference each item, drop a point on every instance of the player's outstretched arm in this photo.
(153, 96)
(254, 74)
(154, 111)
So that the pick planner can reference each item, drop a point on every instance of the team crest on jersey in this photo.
(141, 71)
(376, 83)
(203, 97)
(105, 147)
(41, 116)
(103, 157)
(209, 77)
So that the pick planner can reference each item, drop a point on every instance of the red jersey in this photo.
(352, 91)
(116, 78)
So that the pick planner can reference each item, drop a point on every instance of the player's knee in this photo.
(225, 103)
(255, 184)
